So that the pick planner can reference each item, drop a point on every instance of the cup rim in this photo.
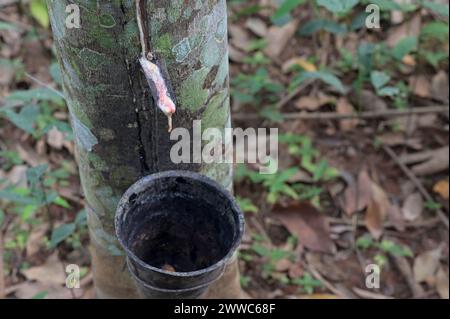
(141, 185)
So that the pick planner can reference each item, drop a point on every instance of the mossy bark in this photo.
(120, 135)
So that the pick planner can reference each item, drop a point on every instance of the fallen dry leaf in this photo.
(369, 101)
(301, 177)
(405, 269)
(36, 239)
(17, 176)
(313, 102)
(50, 273)
(257, 26)
(442, 188)
(426, 265)
(358, 195)
(397, 16)
(430, 162)
(30, 156)
(439, 86)
(420, 86)
(6, 74)
(28, 290)
(235, 54)
(399, 139)
(406, 29)
(283, 265)
(239, 37)
(298, 61)
(279, 37)
(344, 107)
(55, 138)
(308, 224)
(413, 207)
(326, 266)
(409, 60)
(13, 43)
(296, 271)
(436, 163)
(427, 120)
(395, 216)
(442, 283)
(377, 211)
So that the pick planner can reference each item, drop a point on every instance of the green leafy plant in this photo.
(245, 281)
(379, 81)
(2, 217)
(432, 205)
(256, 45)
(10, 159)
(388, 5)
(252, 88)
(286, 8)
(404, 47)
(36, 109)
(257, 59)
(300, 145)
(338, 6)
(324, 76)
(40, 295)
(276, 184)
(7, 26)
(317, 25)
(308, 283)
(384, 247)
(273, 256)
(365, 61)
(27, 201)
(38, 10)
(434, 35)
(65, 231)
(436, 7)
(247, 205)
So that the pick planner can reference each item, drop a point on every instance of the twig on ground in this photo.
(369, 295)
(428, 162)
(291, 96)
(338, 116)
(416, 182)
(405, 269)
(326, 283)
(429, 223)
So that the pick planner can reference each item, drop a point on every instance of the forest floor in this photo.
(363, 166)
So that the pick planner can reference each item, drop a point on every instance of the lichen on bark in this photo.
(120, 135)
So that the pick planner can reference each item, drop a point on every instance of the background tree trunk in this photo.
(120, 135)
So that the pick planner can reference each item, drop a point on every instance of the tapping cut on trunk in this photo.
(159, 86)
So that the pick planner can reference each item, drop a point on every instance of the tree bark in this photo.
(120, 135)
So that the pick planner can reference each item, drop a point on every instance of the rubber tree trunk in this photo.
(120, 135)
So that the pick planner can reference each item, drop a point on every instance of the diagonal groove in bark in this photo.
(141, 146)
